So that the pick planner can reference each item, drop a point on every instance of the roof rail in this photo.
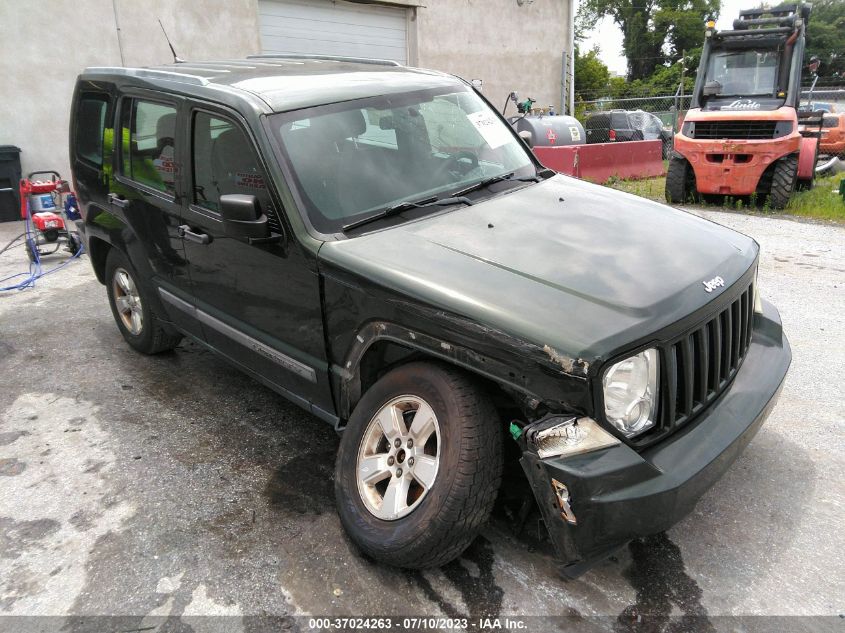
(148, 73)
(331, 58)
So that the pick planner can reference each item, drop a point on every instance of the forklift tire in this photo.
(132, 308)
(784, 179)
(680, 181)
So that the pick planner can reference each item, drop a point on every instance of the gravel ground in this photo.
(171, 487)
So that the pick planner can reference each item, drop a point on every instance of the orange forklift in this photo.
(741, 136)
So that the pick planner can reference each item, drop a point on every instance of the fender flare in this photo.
(347, 377)
(807, 158)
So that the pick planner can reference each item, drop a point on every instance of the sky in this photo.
(608, 37)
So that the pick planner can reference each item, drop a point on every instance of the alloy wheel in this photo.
(127, 301)
(398, 457)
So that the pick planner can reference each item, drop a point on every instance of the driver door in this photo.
(259, 303)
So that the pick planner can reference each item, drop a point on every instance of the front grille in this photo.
(740, 130)
(698, 366)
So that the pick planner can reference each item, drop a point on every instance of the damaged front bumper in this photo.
(616, 494)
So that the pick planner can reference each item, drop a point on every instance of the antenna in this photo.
(176, 58)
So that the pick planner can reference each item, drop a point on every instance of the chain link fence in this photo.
(651, 116)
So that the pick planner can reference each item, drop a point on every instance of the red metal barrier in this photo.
(599, 162)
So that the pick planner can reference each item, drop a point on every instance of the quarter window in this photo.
(149, 144)
(90, 127)
(224, 162)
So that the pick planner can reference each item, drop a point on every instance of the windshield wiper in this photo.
(481, 184)
(399, 207)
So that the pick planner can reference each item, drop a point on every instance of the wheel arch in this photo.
(381, 346)
(98, 252)
(807, 158)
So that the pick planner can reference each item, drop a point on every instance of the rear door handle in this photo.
(200, 238)
(117, 201)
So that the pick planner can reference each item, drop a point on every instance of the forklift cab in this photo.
(741, 136)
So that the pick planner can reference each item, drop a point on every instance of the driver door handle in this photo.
(200, 238)
(117, 201)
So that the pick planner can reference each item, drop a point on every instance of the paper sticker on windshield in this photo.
(249, 181)
(490, 128)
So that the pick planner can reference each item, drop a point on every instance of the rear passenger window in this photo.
(620, 122)
(90, 127)
(148, 143)
(224, 162)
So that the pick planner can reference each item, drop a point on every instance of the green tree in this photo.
(654, 32)
(591, 75)
(826, 38)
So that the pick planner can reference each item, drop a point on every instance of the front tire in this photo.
(132, 309)
(419, 466)
(784, 179)
(680, 181)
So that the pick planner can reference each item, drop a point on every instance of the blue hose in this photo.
(35, 271)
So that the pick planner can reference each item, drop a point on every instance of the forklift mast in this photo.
(779, 30)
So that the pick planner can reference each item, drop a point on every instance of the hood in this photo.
(580, 268)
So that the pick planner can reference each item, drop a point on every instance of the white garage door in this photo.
(322, 27)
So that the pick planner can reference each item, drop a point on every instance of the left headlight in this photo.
(630, 392)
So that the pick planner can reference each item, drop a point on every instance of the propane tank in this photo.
(551, 131)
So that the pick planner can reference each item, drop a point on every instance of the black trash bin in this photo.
(10, 176)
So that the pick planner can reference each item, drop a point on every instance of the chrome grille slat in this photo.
(727, 337)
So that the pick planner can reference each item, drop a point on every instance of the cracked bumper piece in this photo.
(617, 494)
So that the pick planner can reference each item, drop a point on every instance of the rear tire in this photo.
(784, 179)
(132, 310)
(680, 181)
(432, 524)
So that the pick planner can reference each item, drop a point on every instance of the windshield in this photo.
(744, 73)
(352, 159)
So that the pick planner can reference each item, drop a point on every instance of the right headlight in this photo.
(630, 392)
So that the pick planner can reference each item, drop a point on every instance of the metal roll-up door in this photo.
(321, 27)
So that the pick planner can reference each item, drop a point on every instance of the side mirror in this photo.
(242, 217)
(528, 137)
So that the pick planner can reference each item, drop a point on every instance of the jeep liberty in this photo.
(376, 244)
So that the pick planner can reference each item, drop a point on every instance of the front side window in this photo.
(148, 144)
(352, 159)
(90, 128)
(224, 162)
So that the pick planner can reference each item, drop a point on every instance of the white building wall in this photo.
(45, 44)
(507, 45)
